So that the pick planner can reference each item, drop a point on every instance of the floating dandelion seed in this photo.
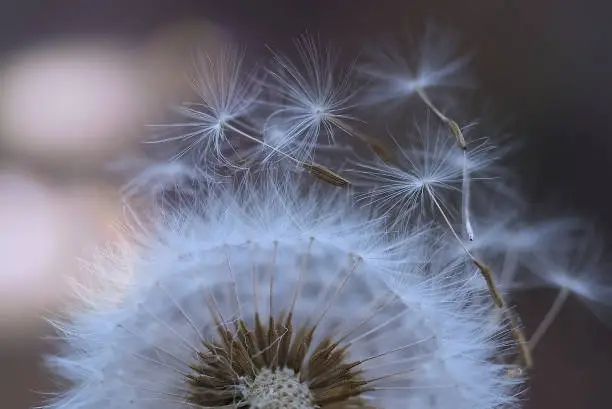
(428, 164)
(574, 266)
(398, 73)
(227, 93)
(153, 178)
(311, 99)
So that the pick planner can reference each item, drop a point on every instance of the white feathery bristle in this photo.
(428, 164)
(310, 99)
(399, 72)
(148, 177)
(517, 248)
(227, 92)
(574, 264)
(422, 339)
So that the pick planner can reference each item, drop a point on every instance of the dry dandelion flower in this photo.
(271, 299)
(261, 288)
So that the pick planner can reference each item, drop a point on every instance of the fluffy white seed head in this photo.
(269, 291)
(273, 294)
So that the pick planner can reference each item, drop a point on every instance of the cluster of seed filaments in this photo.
(274, 366)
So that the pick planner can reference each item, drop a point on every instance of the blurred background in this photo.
(78, 78)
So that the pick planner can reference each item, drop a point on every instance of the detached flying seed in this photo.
(323, 173)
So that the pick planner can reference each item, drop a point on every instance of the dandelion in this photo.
(147, 177)
(271, 290)
(517, 247)
(266, 298)
(434, 64)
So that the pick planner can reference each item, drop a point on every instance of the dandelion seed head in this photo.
(277, 390)
(281, 300)
(312, 286)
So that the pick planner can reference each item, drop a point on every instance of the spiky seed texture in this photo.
(275, 297)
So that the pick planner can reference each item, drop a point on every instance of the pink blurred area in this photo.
(45, 229)
(65, 111)
(71, 101)
(69, 109)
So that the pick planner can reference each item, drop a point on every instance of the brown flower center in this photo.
(274, 366)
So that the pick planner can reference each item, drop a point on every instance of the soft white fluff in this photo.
(432, 339)
(310, 100)
(428, 166)
(400, 69)
(226, 92)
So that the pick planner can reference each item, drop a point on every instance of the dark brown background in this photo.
(546, 65)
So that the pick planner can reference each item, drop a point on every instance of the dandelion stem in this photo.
(259, 141)
(456, 130)
(447, 221)
(376, 146)
(484, 270)
(317, 170)
(454, 127)
(465, 198)
(519, 335)
(549, 318)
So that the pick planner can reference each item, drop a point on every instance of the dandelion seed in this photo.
(574, 266)
(398, 75)
(319, 171)
(431, 162)
(312, 98)
(325, 174)
(152, 178)
(518, 245)
(227, 93)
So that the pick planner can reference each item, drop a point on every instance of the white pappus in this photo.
(311, 99)
(272, 298)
